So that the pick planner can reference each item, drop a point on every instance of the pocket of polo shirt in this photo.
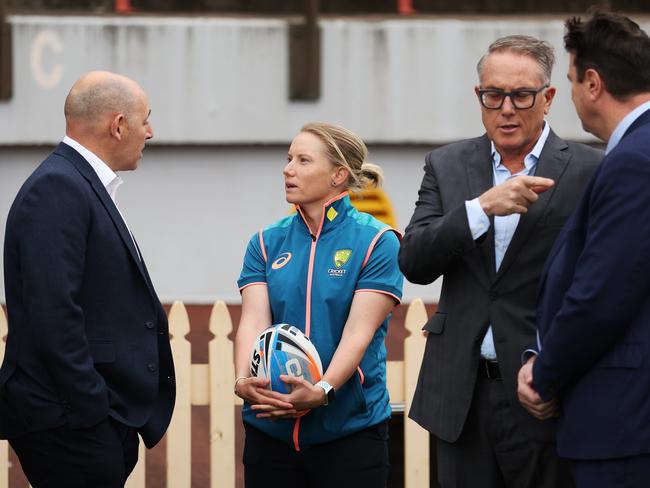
(436, 324)
(102, 352)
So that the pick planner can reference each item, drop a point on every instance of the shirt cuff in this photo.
(527, 354)
(479, 222)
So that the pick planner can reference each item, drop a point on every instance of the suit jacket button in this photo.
(151, 367)
(149, 324)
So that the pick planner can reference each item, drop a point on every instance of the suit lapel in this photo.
(552, 163)
(481, 178)
(89, 174)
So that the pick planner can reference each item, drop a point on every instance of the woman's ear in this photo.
(341, 175)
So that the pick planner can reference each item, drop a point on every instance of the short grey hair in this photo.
(540, 51)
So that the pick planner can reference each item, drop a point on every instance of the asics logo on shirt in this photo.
(283, 259)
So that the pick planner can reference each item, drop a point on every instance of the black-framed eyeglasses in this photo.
(493, 98)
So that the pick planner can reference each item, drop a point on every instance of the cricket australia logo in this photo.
(340, 258)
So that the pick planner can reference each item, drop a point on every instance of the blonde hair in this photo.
(346, 149)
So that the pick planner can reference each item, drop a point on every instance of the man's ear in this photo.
(548, 98)
(594, 83)
(117, 126)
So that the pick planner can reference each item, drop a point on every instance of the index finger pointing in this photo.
(538, 184)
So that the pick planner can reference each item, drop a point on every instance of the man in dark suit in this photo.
(488, 212)
(88, 363)
(593, 310)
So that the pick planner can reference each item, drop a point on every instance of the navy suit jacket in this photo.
(88, 337)
(594, 310)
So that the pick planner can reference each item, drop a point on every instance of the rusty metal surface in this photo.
(305, 56)
(6, 55)
(340, 6)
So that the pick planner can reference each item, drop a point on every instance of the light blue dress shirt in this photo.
(504, 227)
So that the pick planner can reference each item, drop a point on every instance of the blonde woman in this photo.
(332, 272)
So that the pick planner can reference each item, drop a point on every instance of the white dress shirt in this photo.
(106, 175)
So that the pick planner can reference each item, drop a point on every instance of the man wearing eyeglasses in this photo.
(488, 212)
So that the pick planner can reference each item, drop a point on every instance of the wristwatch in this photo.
(330, 392)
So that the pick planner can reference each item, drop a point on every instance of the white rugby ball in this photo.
(284, 349)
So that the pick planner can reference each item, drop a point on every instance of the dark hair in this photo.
(613, 45)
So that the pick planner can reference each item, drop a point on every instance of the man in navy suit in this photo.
(88, 363)
(593, 311)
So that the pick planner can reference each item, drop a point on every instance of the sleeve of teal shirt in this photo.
(254, 268)
(381, 272)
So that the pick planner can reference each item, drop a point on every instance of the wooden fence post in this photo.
(179, 434)
(212, 385)
(222, 399)
(416, 439)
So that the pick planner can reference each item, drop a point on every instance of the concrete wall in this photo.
(218, 89)
(225, 80)
(194, 209)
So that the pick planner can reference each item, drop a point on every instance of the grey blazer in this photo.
(438, 243)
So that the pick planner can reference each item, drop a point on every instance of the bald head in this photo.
(108, 114)
(98, 94)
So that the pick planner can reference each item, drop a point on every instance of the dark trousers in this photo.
(359, 460)
(494, 452)
(101, 456)
(629, 472)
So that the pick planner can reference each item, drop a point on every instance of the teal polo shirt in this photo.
(311, 277)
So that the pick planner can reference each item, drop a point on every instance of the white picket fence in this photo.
(211, 385)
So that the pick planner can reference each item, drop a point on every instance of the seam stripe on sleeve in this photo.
(251, 284)
(262, 245)
(374, 241)
(397, 299)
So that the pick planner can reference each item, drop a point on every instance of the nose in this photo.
(149, 134)
(508, 107)
(288, 168)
